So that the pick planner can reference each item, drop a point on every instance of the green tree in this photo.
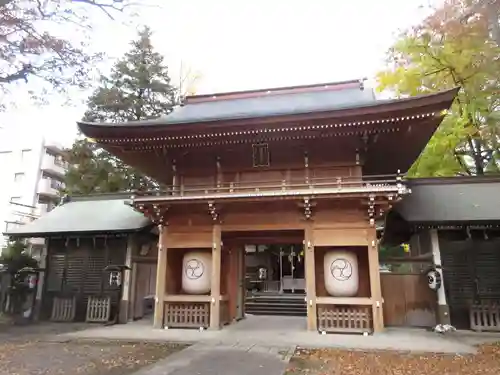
(15, 257)
(138, 88)
(14, 260)
(449, 49)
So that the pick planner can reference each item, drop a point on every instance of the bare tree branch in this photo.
(29, 47)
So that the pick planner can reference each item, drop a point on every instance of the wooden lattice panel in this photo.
(63, 309)
(485, 318)
(355, 319)
(98, 309)
(187, 315)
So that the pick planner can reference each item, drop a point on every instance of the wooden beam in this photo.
(161, 277)
(310, 273)
(375, 286)
(359, 301)
(216, 271)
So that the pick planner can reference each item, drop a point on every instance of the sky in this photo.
(241, 45)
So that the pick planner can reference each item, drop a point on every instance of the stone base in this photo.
(443, 314)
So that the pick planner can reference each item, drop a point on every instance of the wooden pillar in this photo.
(133, 292)
(375, 286)
(310, 274)
(306, 167)
(174, 178)
(41, 287)
(241, 283)
(216, 271)
(218, 173)
(161, 276)
(443, 316)
(125, 304)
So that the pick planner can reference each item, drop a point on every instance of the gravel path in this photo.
(90, 358)
(341, 362)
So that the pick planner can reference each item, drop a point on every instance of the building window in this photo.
(56, 184)
(9, 225)
(25, 154)
(15, 199)
(58, 160)
(18, 177)
(260, 155)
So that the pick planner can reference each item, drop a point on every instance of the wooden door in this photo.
(408, 301)
(145, 285)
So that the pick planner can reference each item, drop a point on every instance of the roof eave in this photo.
(76, 233)
(91, 129)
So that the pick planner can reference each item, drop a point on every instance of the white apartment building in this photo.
(32, 171)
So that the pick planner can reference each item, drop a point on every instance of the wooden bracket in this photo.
(307, 204)
(156, 213)
(371, 210)
(212, 210)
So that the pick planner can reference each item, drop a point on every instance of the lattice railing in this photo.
(353, 319)
(485, 317)
(297, 186)
(98, 309)
(63, 309)
(187, 315)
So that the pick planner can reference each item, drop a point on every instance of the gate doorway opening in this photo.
(274, 269)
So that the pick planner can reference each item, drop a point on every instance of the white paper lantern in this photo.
(341, 273)
(196, 272)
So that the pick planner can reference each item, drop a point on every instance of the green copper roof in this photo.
(85, 216)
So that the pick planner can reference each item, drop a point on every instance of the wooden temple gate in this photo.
(291, 158)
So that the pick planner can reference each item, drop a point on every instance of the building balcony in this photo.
(49, 188)
(391, 186)
(53, 166)
(55, 147)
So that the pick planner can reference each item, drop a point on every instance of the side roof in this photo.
(451, 200)
(99, 214)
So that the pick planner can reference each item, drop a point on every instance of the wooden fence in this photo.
(344, 319)
(187, 315)
(408, 301)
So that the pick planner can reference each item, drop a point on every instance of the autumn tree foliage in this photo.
(46, 41)
(455, 46)
(138, 88)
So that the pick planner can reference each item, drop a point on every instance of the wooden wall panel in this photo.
(185, 218)
(193, 240)
(335, 215)
(340, 237)
(331, 172)
(173, 277)
(263, 216)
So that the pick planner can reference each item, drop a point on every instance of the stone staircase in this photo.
(276, 304)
